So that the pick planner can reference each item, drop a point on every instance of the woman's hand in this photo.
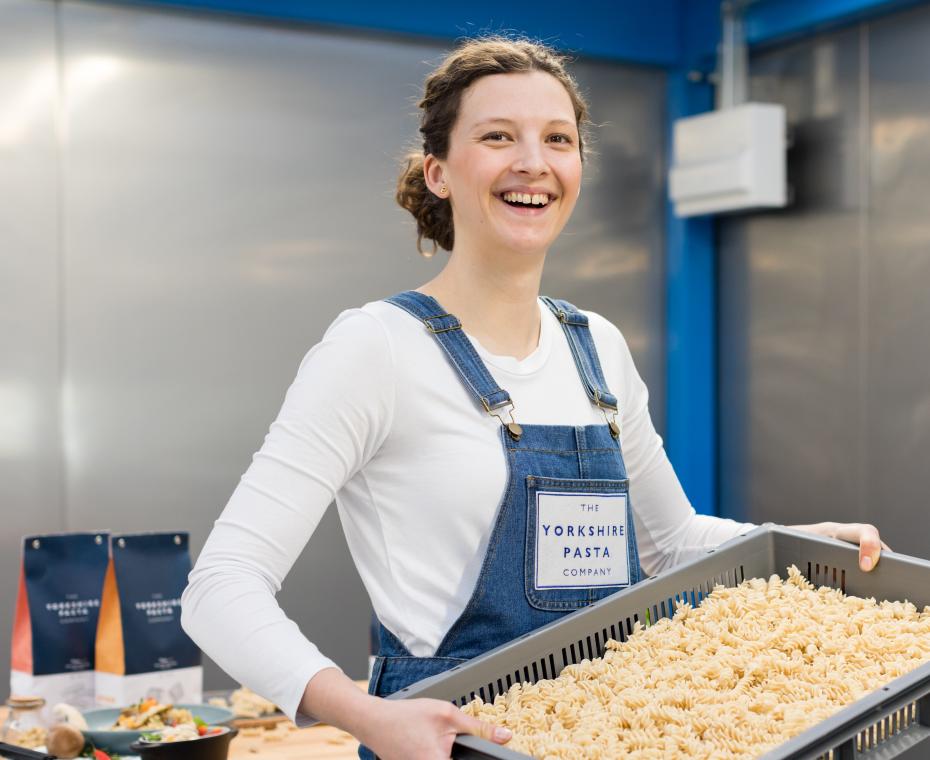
(422, 729)
(863, 534)
(403, 729)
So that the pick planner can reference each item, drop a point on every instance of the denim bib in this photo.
(565, 506)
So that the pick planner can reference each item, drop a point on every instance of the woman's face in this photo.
(513, 171)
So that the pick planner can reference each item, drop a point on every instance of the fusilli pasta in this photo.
(749, 668)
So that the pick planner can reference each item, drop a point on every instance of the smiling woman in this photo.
(490, 451)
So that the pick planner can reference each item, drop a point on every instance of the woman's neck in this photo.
(495, 299)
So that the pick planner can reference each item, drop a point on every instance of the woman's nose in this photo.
(530, 160)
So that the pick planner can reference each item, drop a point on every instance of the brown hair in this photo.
(442, 95)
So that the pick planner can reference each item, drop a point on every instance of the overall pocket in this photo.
(579, 541)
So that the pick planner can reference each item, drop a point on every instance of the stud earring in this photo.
(442, 190)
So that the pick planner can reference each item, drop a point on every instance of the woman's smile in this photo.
(527, 201)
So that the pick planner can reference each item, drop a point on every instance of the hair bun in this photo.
(433, 215)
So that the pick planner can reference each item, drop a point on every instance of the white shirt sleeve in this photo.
(334, 418)
(668, 530)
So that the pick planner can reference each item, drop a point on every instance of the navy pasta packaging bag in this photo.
(55, 622)
(141, 650)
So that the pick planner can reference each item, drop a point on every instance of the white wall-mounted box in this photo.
(729, 160)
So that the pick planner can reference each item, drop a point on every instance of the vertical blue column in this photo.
(691, 279)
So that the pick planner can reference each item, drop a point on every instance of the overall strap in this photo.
(447, 329)
(578, 334)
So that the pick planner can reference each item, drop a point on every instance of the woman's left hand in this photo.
(863, 534)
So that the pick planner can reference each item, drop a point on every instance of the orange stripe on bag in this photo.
(22, 629)
(110, 654)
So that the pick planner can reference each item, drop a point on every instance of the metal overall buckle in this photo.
(612, 417)
(513, 427)
(456, 325)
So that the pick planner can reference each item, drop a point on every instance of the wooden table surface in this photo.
(316, 742)
(287, 742)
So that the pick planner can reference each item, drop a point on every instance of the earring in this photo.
(442, 190)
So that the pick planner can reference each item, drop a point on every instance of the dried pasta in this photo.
(748, 669)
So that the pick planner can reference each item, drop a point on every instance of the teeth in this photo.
(536, 199)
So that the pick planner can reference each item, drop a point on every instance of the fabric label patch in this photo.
(581, 540)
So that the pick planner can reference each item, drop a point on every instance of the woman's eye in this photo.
(495, 136)
(561, 139)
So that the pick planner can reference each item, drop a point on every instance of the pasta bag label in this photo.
(55, 621)
(141, 649)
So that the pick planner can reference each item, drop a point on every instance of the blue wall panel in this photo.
(631, 30)
(691, 393)
(771, 21)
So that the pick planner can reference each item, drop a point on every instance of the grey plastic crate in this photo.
(893, 721)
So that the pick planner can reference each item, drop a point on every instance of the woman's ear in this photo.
(434, 174)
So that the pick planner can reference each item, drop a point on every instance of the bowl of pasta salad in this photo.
(115, 729)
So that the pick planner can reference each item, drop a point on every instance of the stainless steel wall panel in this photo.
(789, 300)
(30, 454)
(898, 307)
(228, 192)
(825, 352)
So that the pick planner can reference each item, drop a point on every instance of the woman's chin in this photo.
(526, 245)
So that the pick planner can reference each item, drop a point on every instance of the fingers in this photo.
(870, 543)
(870, 547)
(466, 724)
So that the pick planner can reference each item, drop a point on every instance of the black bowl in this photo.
(214, 747)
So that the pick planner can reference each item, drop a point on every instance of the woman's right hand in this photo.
(422, 729)
(402, 729)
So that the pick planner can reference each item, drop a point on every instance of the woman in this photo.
(485, 465)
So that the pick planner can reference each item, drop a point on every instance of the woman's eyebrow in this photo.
(503, 120)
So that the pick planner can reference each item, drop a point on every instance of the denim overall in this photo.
(543, 461)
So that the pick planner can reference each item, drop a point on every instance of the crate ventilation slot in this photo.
(872, 737)
(531, 673)
(824, 575)
(886, 728)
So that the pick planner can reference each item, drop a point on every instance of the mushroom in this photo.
(65, 741)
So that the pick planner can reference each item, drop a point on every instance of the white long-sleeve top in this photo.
(378, 420)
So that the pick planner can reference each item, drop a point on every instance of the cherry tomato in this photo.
(202, 730)
(99, 754)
